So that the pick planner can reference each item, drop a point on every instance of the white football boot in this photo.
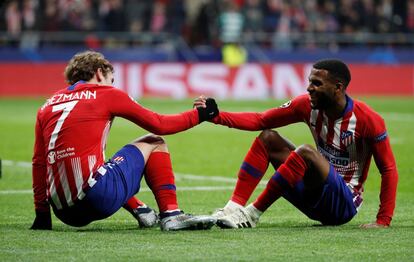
(228, 209)
(242, 218)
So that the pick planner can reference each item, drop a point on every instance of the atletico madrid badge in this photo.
(347, 138)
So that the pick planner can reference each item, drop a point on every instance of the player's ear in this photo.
(339, 86)
(99, 75)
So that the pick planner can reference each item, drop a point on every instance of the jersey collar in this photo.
(349, 105)
(72, 87)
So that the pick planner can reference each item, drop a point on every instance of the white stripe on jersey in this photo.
(355, 163)
(352, 123)
(336, 141)
(64, 181)
(52, 188)
(324, 129)
(91, 162)
(77, 172)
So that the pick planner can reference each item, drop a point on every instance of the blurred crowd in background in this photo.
(269, 23)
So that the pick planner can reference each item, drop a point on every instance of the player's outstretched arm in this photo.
(120, 104)
(290, 112)
(42, 221)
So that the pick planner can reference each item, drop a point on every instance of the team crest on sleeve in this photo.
(287, 104)
(347, 137)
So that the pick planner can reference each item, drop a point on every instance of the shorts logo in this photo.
(118, 159)
(51, 157)
(347, 137)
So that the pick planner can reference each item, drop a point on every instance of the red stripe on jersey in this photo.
(319, 122)
(331, 132)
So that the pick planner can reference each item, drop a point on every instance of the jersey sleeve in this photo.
(288, 113)
(39, 171)
(161, 124)
(385, 161)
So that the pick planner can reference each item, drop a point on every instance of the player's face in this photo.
(321, 89)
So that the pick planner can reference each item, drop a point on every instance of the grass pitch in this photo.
(206, 151)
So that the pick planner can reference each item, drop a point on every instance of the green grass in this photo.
(207, 150)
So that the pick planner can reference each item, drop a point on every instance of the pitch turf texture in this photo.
(214, 152)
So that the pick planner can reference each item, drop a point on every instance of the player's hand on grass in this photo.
(207, 108)
(43, 221)
(373, 225)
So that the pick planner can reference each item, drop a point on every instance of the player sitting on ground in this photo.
(69, 172)
(325, 183)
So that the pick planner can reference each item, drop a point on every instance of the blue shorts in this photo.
(333, 205)
(120, 181)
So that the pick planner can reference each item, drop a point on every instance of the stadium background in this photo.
(248, 49)
(239, 52)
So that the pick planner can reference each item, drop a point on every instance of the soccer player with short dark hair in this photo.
(325, 183)
(69, 169)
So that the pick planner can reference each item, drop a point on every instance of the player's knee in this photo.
(274, 142)
(269, 137)
(150, 139)
(307, 152)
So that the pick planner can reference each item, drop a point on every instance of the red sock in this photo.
(251, 172)
(133, 203)
(160, 178)
(286, 176)
(271, 193)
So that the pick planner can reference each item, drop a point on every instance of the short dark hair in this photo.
(336, 68)
(84, 65)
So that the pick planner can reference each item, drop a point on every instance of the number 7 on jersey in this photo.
(66, 107)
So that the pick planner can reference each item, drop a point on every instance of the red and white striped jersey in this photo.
(348, 142)
(71, 133)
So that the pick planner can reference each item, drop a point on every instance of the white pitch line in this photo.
(177, 175)
(16, 163)
(16, 192)
(402, 117)
(205, 178)
(145, 189)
